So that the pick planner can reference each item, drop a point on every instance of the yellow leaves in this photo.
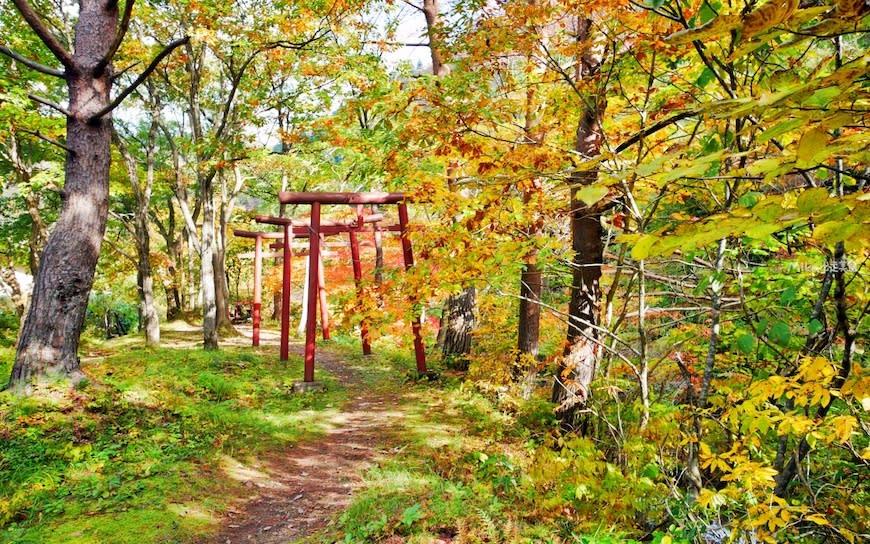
(714, 28)
(843, 427)
(642, 246)
(818, 519)
(797, 424)
(850, 8)
(768, 16)
(771, 518)
(710, 498)
(817, 369)
(811, 146)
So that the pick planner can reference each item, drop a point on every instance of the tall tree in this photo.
(141, 228)
(50, 336)
(571, 387)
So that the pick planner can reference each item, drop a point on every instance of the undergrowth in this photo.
(467, 469)
(137, 452)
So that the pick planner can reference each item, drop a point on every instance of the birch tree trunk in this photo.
(141, 231)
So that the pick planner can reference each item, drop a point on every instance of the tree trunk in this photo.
(207, 269)
(222, 293)
(431, 12)
(577, 366)
(460, 324)
(530, 310)
(174, 302)
(149, 319)
(19, 300)
(24, 173)
(228, 203)
(38, 230)
(276, 306)
(50, 337)
(529, 322)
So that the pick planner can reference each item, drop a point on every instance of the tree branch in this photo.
(398, 44)
(413, 5)
(116, 76)
(664, 123)
(49, 39)
(138, 81)
(31, 63)
(119, 37)
(48, 140)
(49, 103)
(284, 44)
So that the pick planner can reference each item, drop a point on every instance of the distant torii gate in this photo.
(314, 230)
(294, 228)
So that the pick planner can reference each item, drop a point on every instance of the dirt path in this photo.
(303, 488)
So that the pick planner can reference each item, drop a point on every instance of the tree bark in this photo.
(207, 268)
(50, 336)
(529, 322)
(431, 12)
(174, 250)
(578, 364)
(38, 230)
(24, 172)
(459, 326)
(528, 330)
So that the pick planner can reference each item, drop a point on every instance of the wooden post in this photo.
(313, 277)
(321, 293)
(258, 273)
(419, 349)
(303, 319)
(285, 293)
(357, 278)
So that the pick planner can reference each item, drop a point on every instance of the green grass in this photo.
(148, 448)
(7, 357)
(463, 466)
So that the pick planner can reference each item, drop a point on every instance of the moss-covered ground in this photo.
(147, 449)
(155, 445)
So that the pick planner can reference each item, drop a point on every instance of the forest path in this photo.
(299, 490)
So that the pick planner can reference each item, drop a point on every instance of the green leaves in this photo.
(591, 194)
(746, 343)
(411, 515)
(780, 333)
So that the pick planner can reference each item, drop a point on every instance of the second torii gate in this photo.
(295, 228)
(316, 228)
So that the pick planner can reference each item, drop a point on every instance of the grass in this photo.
(158, 443)
(465, 467)
(151, 448)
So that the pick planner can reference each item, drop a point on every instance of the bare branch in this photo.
(49, 140)
(664, 123)
(398, 44)
(284, 44)
(30, 63)
(118, 75)
(49, 103)
(119, 37)
(412, 4)
(49, 39)
(142, 77)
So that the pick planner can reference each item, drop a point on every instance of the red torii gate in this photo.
(314, 229)
(293, 228)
